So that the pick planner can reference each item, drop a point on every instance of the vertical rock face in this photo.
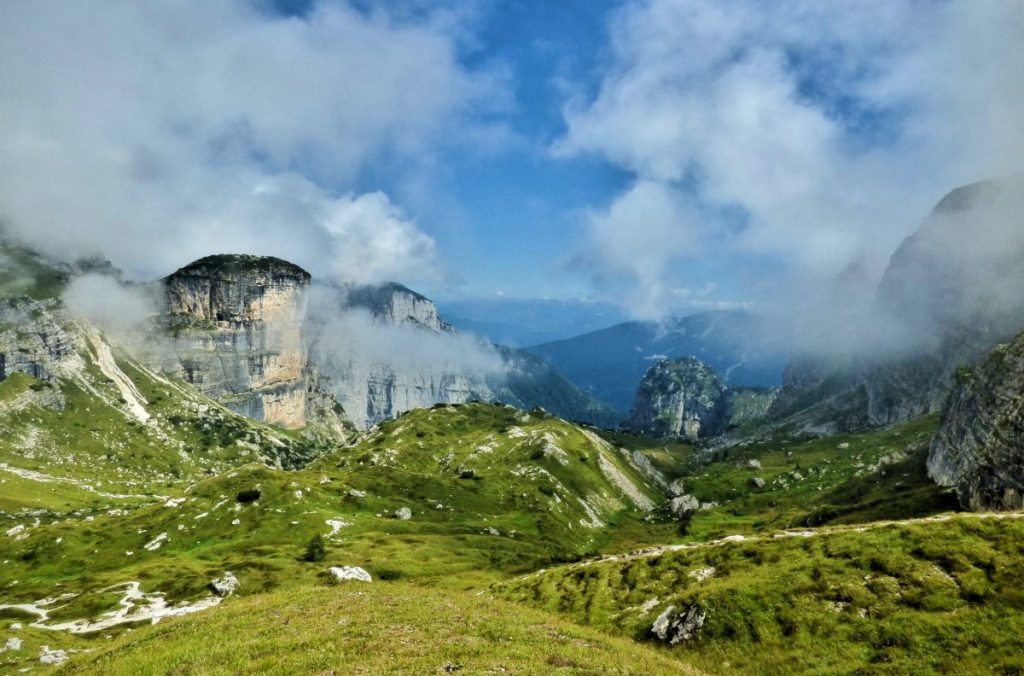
(979, 447)
(364, 339)
(681, 398)
(685, 398)
(34, 338)
(237, 323)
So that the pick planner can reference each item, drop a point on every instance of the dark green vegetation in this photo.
(234, 264)
(25, 273)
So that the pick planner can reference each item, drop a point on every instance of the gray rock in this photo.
(683, 506)
(225, 586)
(47, 656)
(756, 482)
(979, 446)
(681, 398)
(355, 573)
(677, 488)
(674, 628)
(13, 643)
(403, 513)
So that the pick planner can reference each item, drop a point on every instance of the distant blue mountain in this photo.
(611, 362)
(518, 322)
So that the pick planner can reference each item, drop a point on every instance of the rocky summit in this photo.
(685, 398)
(237, 334)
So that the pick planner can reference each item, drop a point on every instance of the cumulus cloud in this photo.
(155, 133)
(830, 129)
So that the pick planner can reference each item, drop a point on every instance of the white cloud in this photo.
(635, 239)
(159, 132)
(834, 126)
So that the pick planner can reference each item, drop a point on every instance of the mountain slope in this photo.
(979, 447)
(935, 595)
(376, 628)
(953, 290)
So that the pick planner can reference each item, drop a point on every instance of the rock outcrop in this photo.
(685, 398)
(397, 305)
(34, 338)
(237, 323)
(682, 398)
(979, 447)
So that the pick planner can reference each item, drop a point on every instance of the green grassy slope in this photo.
(492, 492)
(831, 480)
(925, 597)
(75, 443)
(377, 628)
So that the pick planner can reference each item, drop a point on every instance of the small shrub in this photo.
(248, 495)
(315, 550)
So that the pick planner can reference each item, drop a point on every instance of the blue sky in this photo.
(664, 155)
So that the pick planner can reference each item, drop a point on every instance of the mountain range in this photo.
(331, 477)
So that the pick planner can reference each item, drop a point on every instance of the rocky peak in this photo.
(952, 291)
(396, 304)
(238, 333)
(235, 289)
(680, 398)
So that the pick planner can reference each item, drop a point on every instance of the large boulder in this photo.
(979, 447)
(676, 627)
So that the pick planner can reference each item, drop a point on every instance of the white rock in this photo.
(47, 656)
(14, 531)
(403, 513)
(235, 522)
(226, 585)
(13, 644)
(350, 573)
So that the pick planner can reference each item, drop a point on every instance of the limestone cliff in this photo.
(680, 398)
(395, 304)
(34, 338)
(979, 447)
(686, 398)
(237, 326)
(386, 350)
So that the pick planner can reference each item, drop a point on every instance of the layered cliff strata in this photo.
(237, 334)
(979, 447)
(34, 338)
